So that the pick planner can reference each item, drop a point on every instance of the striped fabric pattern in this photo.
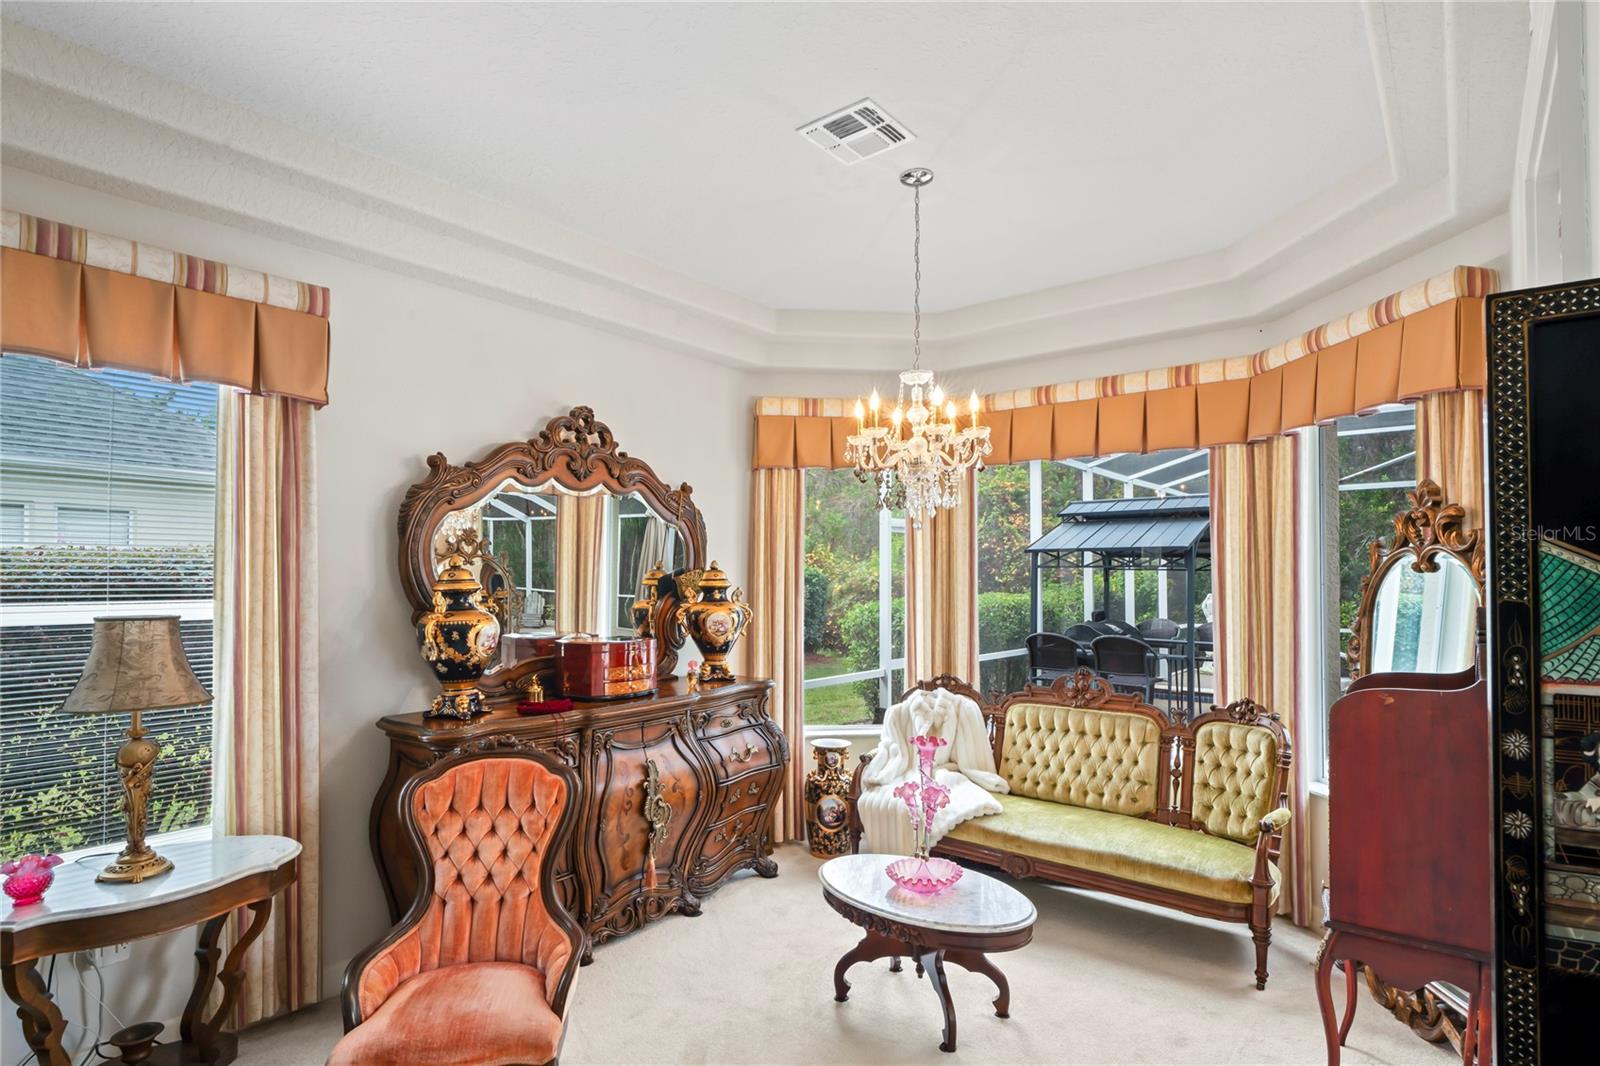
(1462, 281)
(75, 244)
(268, 745)
(1256, 579)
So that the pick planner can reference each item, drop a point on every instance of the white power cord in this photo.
(87, 959)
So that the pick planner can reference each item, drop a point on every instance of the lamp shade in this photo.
(136, 664)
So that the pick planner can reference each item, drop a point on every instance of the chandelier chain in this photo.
(916, 290)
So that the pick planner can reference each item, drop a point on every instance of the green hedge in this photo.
(65, 573)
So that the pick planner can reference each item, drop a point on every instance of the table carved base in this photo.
(887, 939)
(228, 875)
(203, 1040)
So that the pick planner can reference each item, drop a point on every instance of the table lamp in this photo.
(136, 665)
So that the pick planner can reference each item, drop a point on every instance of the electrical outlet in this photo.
(110, 954)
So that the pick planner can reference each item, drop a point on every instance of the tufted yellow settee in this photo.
(1108, 794)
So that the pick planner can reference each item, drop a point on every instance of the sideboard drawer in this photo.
(729, 842)
(741, 751)
(727, 719)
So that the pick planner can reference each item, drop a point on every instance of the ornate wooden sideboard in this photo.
(683, 782)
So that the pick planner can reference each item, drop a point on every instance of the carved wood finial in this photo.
(1246, 711)
(1083, 688)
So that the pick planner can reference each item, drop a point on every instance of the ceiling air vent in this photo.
(857, 132)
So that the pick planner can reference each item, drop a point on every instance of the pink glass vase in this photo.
(27, 878)
(925, 877)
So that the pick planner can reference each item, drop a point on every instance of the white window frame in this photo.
(889, 526)
(1314, 609)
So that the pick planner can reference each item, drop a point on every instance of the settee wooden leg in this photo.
(894, 964)
(1262, 935)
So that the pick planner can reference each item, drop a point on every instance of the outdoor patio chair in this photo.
(1127, 663)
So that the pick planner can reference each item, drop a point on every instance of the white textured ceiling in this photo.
(1070, 141)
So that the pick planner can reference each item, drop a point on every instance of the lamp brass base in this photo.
(135, 868)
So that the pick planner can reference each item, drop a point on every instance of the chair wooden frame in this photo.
(497, 746)
(1174, 799)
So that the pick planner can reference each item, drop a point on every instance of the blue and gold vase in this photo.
(459, 638)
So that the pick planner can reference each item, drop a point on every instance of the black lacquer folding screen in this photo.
(1544, 499)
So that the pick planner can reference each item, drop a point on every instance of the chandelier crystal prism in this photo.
(918, 453)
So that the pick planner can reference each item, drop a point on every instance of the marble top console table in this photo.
(209, 880)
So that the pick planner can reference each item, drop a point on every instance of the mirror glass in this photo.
(1425, 623)
(556, 562)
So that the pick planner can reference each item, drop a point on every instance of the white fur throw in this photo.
(965, 766)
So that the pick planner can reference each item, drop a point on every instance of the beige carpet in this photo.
(750, 981)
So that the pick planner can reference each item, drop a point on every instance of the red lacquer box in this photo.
(520, 647)
(595, 669)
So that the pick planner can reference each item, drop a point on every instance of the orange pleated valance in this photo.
(160, 312)
(1386, 357)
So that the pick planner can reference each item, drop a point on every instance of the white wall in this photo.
(418, 368)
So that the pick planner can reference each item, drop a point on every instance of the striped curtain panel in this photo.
(1450, 448)
(942, 591)
(1256, 583)
(580, 547)
(776, 634)
(266, 676)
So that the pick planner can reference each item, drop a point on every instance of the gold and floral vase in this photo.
(644, 606)
(459, 638)
(715, 621)
(828, 799)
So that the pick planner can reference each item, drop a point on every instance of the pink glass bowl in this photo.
(28, 877)
(925, 877)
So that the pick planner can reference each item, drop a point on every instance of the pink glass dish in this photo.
(925, 877)
(27, 878)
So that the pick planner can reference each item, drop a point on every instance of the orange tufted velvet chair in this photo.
(479, 971)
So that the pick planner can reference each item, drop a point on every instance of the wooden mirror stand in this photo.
(578, 454)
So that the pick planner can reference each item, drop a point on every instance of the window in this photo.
(1366, 464)
(521, 528)
(1019, 503)
(641, 540)
(854, 601)
(102, 527)
(108, 489)
(13, 523)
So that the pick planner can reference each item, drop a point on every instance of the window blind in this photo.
(108, 488)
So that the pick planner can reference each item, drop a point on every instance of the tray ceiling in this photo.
(1087, 154)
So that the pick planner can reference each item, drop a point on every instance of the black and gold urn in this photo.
(715, 621)
(459, 638)
(644, 607)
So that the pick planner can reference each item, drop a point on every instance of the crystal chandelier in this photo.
(918, 454)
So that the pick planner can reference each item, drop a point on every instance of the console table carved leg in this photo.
(872, 946)
(933, 965)
(978, 962)
(42, 1024)
(766, 866)
(203, 1037)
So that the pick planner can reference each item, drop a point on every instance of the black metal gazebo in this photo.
(1170, 533)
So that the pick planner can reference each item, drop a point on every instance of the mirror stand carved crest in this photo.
(1426, 534)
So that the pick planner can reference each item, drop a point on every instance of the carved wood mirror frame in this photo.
(1423, 533)
(576, 452)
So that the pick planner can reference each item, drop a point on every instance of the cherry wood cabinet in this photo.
(677, 792)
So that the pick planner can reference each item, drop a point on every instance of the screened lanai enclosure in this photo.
(1132, 553)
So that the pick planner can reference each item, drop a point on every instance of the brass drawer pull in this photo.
(750, 752)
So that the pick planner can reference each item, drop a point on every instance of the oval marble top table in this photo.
(962, 924)
(197, 866)
(975, 904)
